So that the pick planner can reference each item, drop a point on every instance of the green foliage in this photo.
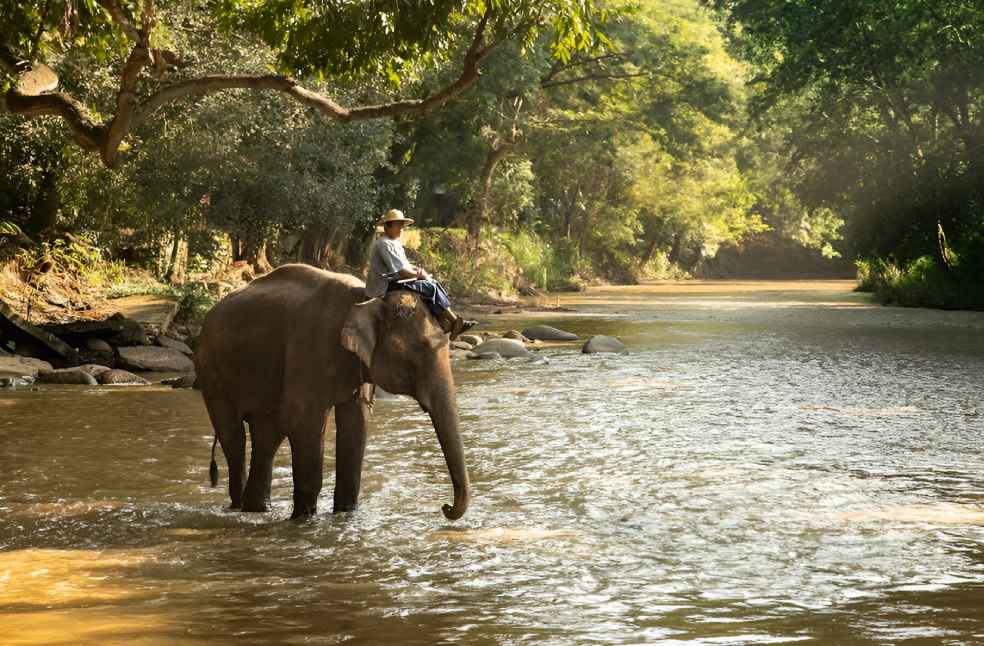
(554, 267)
(920, 283)
(487, 273)
(9, 228)
(384, 39)
(880, 109)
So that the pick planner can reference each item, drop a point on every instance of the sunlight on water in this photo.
(770, 463)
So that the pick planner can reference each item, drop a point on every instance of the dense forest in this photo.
(550, 143)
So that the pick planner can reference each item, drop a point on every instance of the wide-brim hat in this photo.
(394, 215)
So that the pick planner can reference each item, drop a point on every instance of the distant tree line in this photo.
(615, 141)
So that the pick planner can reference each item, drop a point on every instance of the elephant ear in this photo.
(361, 329)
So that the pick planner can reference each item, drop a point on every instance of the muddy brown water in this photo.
(772, 463)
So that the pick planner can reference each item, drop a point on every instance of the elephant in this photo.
(282, 351)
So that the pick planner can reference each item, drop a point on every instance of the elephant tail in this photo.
(213, 468)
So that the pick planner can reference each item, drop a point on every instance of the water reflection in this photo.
(768, 470)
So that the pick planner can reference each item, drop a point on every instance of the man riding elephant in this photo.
(389, 269)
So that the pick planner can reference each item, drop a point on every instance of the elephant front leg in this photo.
(307, 449)
(351, 422)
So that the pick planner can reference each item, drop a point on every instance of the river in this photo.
(771, 463)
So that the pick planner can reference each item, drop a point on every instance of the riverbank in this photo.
(767, 463)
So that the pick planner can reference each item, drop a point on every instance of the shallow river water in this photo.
(771, 463)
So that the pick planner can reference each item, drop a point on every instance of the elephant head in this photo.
(406, 353)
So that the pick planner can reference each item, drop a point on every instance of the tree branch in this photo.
(120, 19)
(477, 52)
(594, 77)
(85, 131)
(559, 67)
(107, 137)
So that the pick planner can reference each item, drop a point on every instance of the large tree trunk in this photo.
(647, 255)
(479, 213)
(315, 247)
(254, 251)
(175, 272)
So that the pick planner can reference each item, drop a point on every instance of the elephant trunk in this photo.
(443, 411)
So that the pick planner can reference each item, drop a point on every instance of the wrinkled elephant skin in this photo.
(281, 352)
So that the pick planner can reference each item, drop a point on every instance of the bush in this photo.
(484, 272)
(922, 283)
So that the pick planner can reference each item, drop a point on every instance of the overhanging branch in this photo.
(107, 137)
(86, 133)
(477, 52)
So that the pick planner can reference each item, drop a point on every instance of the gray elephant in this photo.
(281, 352)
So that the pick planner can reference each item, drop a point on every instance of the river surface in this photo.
(771, 463)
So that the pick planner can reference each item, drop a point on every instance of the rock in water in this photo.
(507, 348)
(8, 382)
(18, 366)
(67, 376)
(514, 334)
(174, 344)
(94, 369)
(155, 359)
(601, 343)
(484, 356)
(121, 378)
(184, 381)
(547, 333)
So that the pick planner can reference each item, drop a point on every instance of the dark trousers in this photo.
(430, 292)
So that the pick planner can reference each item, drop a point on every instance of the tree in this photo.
(886, 104)
(337, 38)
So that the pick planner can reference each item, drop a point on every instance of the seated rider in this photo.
(389, 269)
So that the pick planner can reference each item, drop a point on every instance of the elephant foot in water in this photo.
(303, 512)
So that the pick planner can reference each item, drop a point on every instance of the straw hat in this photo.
(394, 215)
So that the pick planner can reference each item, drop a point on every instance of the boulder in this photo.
(506, 348)
(94, 369)
(13, 383)
(174, 344)
(547, 333)
(37, 340)
(98, 345)
(67, 376)
(601, 343)
(515, 334)
(471, 339)
(173, 333)
(484, 355)
(154, 359)
(121, 378)
(116, 330)
(184, 381)
(461, 345)
(16, 366)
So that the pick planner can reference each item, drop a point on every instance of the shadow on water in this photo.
(764, 466)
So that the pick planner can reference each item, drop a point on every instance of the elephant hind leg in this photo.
(265, 436)
(307, 454)
(228, 425)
